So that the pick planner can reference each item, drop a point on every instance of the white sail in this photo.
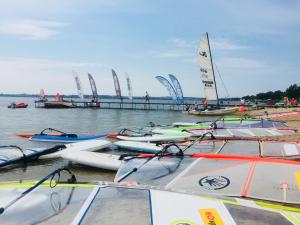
(78, 85)
(129, 86)
(206, 69)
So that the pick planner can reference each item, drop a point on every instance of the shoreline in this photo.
(292, 121)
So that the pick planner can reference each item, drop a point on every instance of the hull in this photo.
(55, 105)
(217, 112)
(21, 105)
(157, 137)
(88, 146)
(93, 159)
(138, 146)
(64, 139)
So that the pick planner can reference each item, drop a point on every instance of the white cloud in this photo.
(225, 44)
(32, 29)
(173, 54)
(181, 43)
(242, 63)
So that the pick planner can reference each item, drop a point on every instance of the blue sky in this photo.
(255, 44)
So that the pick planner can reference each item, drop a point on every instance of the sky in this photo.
(255, 44)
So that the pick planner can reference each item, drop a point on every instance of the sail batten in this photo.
(206, 69)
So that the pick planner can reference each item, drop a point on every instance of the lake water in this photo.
(79, 121)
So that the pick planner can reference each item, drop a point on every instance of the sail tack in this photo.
(129, 87)
(93, 87)
(168, 86)
(78, 85)
(177, 88)
(206, 69)
(117, 84)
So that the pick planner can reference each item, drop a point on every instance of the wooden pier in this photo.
(112, 105)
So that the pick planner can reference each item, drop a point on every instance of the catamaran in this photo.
(208, 79)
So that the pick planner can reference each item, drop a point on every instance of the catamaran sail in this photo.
(78, 85)
(207, 70)
(129, 86)
(93, 87)
(117, 84)
(177, 88)
(169, 87)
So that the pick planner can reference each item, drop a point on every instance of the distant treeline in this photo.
(292, 91)
(110, 97)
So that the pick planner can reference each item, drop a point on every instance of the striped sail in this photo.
(168, 86)
(93, 87)
(78, 85)
(117, 84)
(129, 87)
(206, 69)
(177, 88)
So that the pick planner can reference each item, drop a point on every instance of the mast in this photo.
(212, 66)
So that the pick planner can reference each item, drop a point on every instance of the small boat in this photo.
(20, 105)
(62, 137)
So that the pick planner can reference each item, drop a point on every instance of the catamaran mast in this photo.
(212, 69)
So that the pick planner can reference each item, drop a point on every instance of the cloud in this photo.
(225, 44)
(173, 54)
(261, 16)
(242, 63)
(32, 29)
(181, 43)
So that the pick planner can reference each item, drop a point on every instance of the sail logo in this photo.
(214, 182)
(203, 54)
(203, 70)
(211, 217)
(183, 222)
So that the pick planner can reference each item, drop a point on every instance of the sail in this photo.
(93, 87)
(168, 85)
(117, 84)
(129, 87)
(177, 88)
(78, 85)
(206, 69)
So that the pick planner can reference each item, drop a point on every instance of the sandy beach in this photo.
(292, 121)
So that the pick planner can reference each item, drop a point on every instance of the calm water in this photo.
(80, 121)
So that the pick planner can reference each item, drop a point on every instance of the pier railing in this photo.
(116, 105)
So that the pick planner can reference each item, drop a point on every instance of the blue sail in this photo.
(177, 88)
(169, 87)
